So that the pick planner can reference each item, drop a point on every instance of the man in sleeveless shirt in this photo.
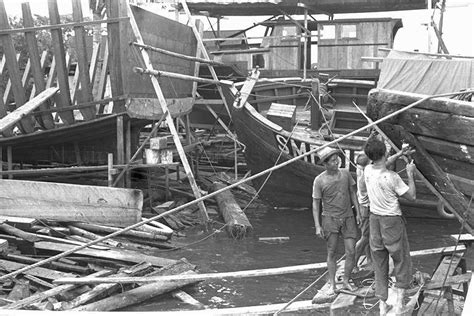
(388, 234)
(335, 188)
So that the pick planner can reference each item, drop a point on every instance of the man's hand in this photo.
(411, 168)
(319, 232)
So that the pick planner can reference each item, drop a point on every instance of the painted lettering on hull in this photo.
(296, 148)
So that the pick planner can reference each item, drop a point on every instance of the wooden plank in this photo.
(37, 64)
(169, 119)
(122, 254)
(66, 202)
(18, 114)
(341, 303)
(468, 309)
(62, 71)
(24, 223)
(148, 108)
(103, 76)
(38, 272)
(26, 125)
(265, 272)
(82, 61)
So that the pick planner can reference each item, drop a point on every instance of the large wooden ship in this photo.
(440, 129)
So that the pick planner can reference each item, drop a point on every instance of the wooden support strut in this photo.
(278, 166)
(169, 119)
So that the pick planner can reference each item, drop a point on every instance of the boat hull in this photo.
(441, 131)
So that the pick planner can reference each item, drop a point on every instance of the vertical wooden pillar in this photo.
(114, 50)
(316, 114)
(128, 151)
(110, 166)
(120, 146)
(63, 98)
(10, 161)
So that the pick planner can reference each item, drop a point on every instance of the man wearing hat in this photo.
(335, 188)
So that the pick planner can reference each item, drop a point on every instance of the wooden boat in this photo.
(441, 129)
(79, 125)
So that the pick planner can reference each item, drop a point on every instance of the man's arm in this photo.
(316, 212)
(355, 202)
(411, 193)
(393, 158)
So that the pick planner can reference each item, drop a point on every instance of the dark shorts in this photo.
(345, 226)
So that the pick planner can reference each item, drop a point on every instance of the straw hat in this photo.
(325, 153)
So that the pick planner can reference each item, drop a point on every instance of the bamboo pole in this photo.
(236, 274)
(205, 197)
(169, 53)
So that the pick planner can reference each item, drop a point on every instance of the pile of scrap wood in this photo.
(25, 241)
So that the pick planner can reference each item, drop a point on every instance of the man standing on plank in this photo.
(388, 234)
(335, 188)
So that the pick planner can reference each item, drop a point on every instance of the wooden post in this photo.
(316, 114)
(10, 161)
(120, 146)
(1, 162)
(36, 64)
(128, 151)
(305, 43)
(169, 119)
(110, 166)
(64, 97)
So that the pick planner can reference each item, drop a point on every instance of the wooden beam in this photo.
(169, 119)
(82, 61)
(14, 117)
(61, 25)
(36, 64)
(66, 202)
(150, 109)
(160, 73)
(62, 71)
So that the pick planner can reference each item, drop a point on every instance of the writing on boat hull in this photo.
(294, 148)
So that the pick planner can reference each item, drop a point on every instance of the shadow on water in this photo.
(219, 253)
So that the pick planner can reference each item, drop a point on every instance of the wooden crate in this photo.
(283, 115)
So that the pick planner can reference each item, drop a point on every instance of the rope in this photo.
(306, 289)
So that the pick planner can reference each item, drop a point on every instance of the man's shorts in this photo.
(345, 226)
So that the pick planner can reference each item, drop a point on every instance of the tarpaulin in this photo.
(422, 74)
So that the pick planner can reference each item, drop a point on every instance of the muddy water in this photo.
(219, 253)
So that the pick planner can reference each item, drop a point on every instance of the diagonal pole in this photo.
(169, 119)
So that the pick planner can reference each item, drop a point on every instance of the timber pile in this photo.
(25, 241)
